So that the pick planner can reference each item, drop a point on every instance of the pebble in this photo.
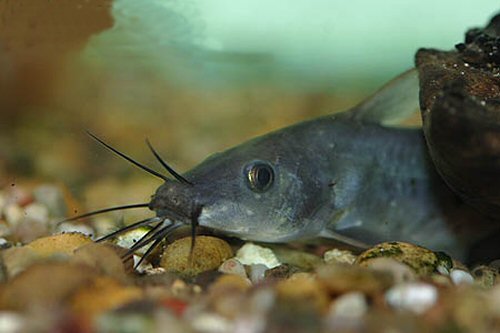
(233, 266)
(262, 300)
(5, 230)
(37, 212)
(300, 259)
(208, 254)
(212, 323)
(252, 254)
(102, 294)
(281, 272)
(227, 294)
(399, 271)
(29, 230)
(485, 276)
(118, 321)
(11, 322)
(44, 285)
(17, 259)
(19, 196)
(51, 197)
(423, 261)
(339, 279)
(144, 266)
(229, 283)
(13, 214)
(459, 276)
(304, 288)
(128, 239)
(3, 201)
(103, 257)
(257, 273)
(71, 227)
(494, 299)
(4, 244)
(336, 256)
(352, 305)
(416, 297)
(58, 244)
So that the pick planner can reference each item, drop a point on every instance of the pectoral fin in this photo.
(344, 239)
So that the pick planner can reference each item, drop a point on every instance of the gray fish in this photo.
(353, 176)
(344, 176)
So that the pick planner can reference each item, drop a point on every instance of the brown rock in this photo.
(17, 259)
(103, 294)
(229, 283)
(208, 254)
(227, 294)
(339, 279)
(44, 285)
(303, 287)
(103, 257)
(423, 261)
(61, 243)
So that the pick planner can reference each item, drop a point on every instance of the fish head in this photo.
(261, 190)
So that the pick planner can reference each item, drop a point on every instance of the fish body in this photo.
(342, 176)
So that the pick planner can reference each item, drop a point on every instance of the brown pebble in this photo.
(44, 285)
(103, 294)
(281, 272)
(339, 279)
(304, 288)
(227, 294)
(102, 257)
(423, 261)
(208, 254)
(59, 244)
(399, 271)
(28, 230)
(485, 276)
(17, 259)
(229, 283)
(300, 259)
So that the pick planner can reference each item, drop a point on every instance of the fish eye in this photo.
(260, 176)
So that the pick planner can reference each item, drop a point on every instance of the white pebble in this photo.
(249, 324)
(251, 254)
(3, 201)
(459, 276)
(128, 239)
(51, 197)
(211, 322)
(68, 227)
(233, 266)
(257, 273)
(339, 256)
(5, 230)
(416, 297)
(143, 267)
(349, 306)
(443, 270)
(11, 322)
(37, 212)
(13, 214)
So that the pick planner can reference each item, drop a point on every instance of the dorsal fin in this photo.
(394, 102)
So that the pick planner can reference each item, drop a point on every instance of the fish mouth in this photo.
(162, 227)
